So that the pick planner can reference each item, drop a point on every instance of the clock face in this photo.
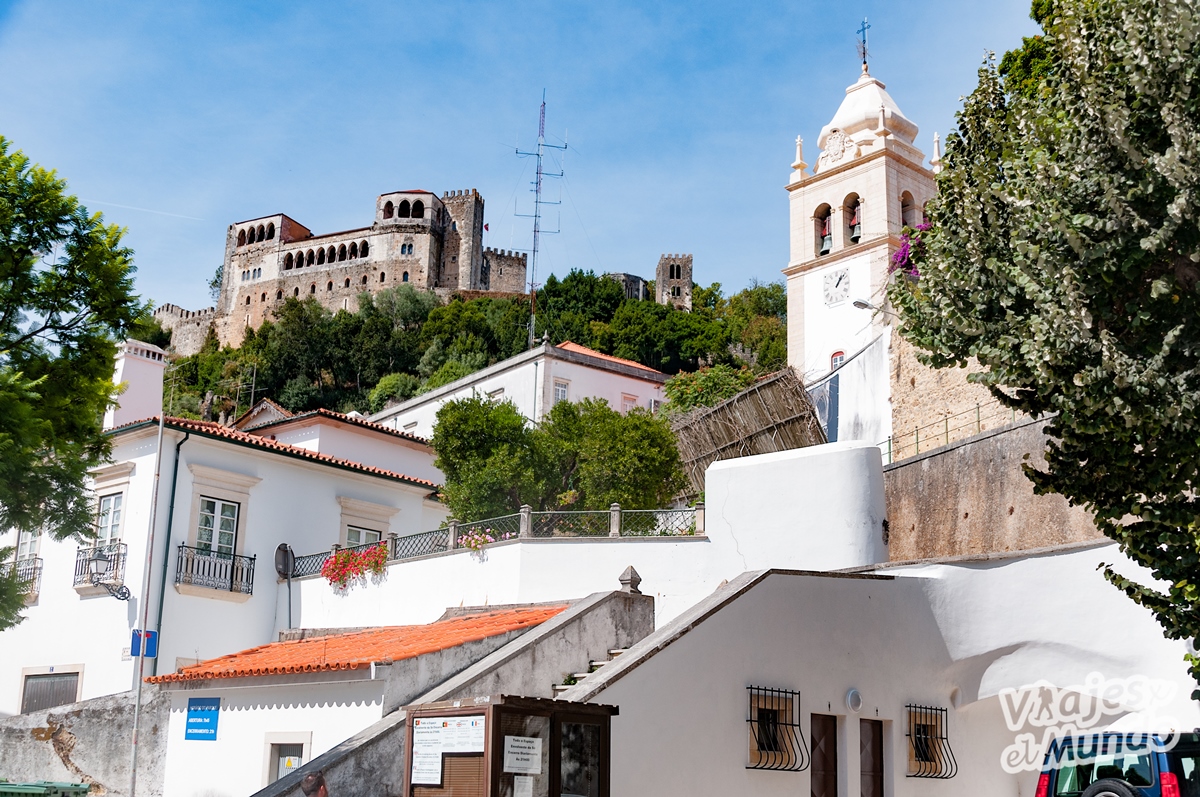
(837, 286)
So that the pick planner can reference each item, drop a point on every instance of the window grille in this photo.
(776, 740)
(929, 753)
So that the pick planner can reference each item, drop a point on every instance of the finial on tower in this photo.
(936, 160)
(862, 43)
(799, 164)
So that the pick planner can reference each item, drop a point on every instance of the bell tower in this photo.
(846, 219)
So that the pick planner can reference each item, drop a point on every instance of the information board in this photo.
(435, 736)
(202, 716)
(523, 754)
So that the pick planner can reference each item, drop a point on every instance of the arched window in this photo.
(836, 359)
(311, 257)
(342, 252)
(382, 277)
(264, 297)
(270, 231)
(404, 211)
(330, 255)
(320, 257)
(262, 233)
(822, 233)
(418, 210)
(278, 295)
(329, 287)
(347, 282)
(247, 300)
(404, 277)
(364, 279)
(312, 288)
(454, 226)
(295, 292)
(364, 249)
(852, 213)
(353, 250)
(910, 214)
(388, 209)
(241, 238)
(287, 262)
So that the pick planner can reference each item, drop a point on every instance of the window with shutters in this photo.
(47, 690)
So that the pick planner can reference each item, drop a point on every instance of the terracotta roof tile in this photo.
(218, 431)
(261, 402)
(358, 649)
(575, 347)
(342, 418)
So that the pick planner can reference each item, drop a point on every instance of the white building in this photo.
(226, 500)
(846, 219)
(889, 681)
(534, 381)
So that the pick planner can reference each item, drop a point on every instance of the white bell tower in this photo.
(869, 181)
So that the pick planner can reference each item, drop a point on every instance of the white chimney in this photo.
(139, 370)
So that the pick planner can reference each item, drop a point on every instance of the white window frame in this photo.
(837, 360)
(224, 485)
(565, 384)
(218, 514)
(109, 482)
(29, 544)
(628, 402)
(54, 670)
(272, 738)
(366, 516)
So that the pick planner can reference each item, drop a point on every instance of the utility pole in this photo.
(542, 146)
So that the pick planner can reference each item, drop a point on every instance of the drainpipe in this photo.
(162, 587)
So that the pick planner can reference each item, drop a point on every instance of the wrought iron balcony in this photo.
(29, 572)
(214, 570)
(114, 552)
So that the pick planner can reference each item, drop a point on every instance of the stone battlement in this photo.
(176, 313)
(523, 257)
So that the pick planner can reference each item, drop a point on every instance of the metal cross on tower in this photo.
(537, 209)
(862, 40)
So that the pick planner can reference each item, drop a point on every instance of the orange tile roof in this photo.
(216, 430)
(575, 347)
(261, 402)
(340, 417)
(356, 650)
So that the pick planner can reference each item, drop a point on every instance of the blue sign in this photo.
(135, 646)
(202, 715)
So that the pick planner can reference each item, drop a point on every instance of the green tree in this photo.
(705, 388)
(66, 299)
(1062, 259)
(567, 307)
(393, 387)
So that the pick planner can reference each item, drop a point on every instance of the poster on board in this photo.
(435, 736)
(523, 755)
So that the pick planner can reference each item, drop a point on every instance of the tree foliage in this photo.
(583, 456)
(706, 387)
(1064, 257)
(66, 298)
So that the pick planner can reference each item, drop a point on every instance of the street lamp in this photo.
(100, 566)
(863, 304)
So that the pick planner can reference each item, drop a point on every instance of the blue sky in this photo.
(177, 119)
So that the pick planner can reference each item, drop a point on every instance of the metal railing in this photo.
(220, 571)
(948, 429)
(526, 524)
(29, 573)
(116, 552)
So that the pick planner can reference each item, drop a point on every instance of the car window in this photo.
(1079, 772)
(1185, 763)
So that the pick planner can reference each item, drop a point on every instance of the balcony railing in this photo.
(613, 522)
(29, 573)
(116, 552)
(219, 571)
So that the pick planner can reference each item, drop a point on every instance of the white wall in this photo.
(863, 394)
(839, 327)
(361, 445)
(330, 712)
(584, 382)
(816, 508)
(140, 367)
(943, 635)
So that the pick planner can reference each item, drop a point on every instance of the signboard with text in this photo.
(435, 736)
(202, 716)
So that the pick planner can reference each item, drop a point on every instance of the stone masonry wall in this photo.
(972, 497)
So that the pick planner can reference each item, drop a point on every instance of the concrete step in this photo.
(560, 688)
(612, 654)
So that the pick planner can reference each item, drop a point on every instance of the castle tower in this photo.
(463, 252)
(846, 220)
(673, 281)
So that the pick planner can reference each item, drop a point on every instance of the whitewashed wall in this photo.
(816, 508)
(945, 635)
(584, 382)
(361, 445)
(327, 714)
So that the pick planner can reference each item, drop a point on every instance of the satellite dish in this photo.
(285, 560)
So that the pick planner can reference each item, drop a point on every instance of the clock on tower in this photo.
(837, 286)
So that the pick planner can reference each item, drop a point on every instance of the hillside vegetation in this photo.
(403, 341)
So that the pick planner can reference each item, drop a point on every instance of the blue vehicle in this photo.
(1111, 764)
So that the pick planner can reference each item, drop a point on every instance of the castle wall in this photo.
(677, 291)
(503, 271)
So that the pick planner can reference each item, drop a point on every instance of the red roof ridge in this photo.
(229, 433)
(358, 649)
(567, 345)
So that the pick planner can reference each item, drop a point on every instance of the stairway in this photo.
(593, 666)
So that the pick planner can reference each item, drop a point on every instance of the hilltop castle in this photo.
(417, 238)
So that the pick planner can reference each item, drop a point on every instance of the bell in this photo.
(855, 233)
(826, 244)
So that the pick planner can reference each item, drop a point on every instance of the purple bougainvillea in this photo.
(908, 257)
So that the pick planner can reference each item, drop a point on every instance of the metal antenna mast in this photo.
(542, 146)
